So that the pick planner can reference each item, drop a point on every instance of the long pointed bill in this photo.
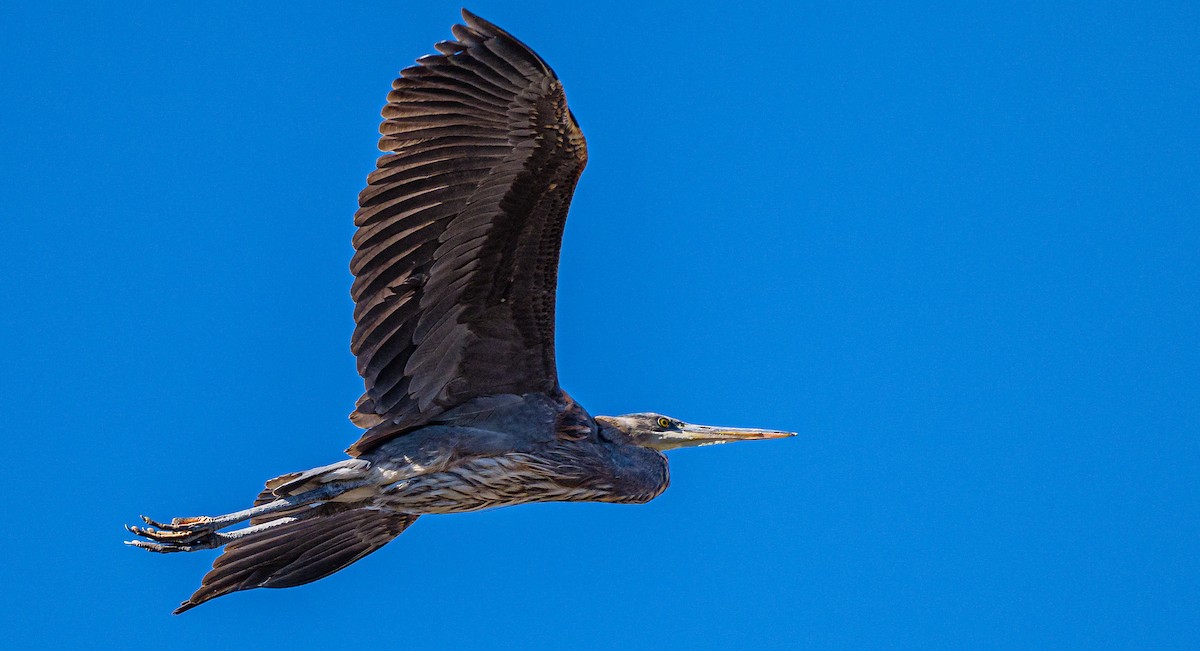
(695, 435)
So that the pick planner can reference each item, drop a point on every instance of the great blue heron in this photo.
(455, 268)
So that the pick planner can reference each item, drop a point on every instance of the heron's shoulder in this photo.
(533, 414)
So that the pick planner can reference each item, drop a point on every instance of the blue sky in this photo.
(955, 248)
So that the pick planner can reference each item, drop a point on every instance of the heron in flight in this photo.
(455, 267)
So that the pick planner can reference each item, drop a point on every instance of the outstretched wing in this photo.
(459, 231)
(298, 552)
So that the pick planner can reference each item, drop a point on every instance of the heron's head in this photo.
(665, 433)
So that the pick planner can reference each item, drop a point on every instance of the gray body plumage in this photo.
(505, 450)
(455, 264)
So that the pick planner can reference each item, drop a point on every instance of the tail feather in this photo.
(298, 552)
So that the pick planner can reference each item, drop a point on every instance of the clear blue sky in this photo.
(956, 248)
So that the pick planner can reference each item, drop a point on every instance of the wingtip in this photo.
(483, 29)
(473, 19)
(481, 25)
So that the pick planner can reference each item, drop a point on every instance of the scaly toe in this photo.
(154, 523)
(167, 536)
(201, 523)
(198, 522)
(158, 547)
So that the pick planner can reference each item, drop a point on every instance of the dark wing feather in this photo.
(459, 231)
(298, 552)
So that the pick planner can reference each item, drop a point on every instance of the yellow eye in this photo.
(664, 422)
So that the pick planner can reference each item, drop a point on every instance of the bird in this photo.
(455, 280)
